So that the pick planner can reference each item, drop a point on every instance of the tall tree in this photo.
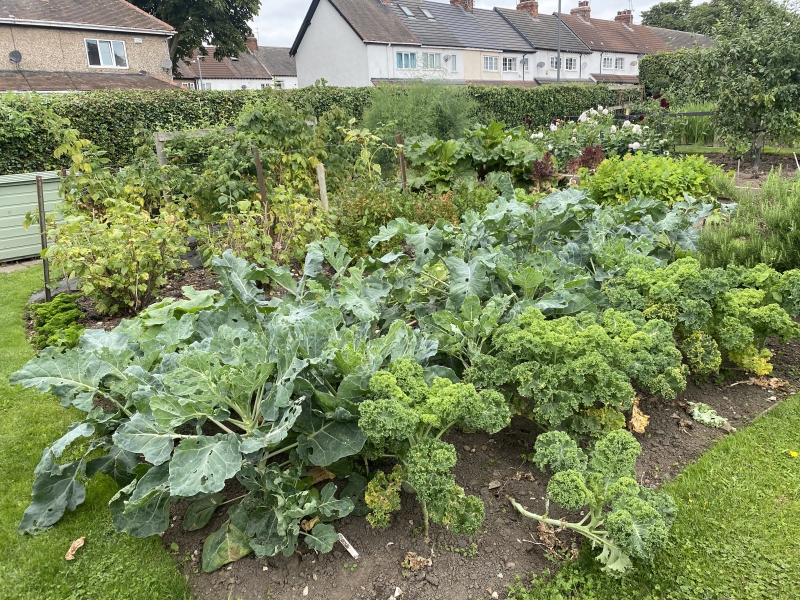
(221, 23)
(754, 75)
(669, 15)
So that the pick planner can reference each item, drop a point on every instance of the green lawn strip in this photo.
(722, 150)
(737, 535)
(110, 565)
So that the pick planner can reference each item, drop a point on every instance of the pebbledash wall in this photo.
(51, 49)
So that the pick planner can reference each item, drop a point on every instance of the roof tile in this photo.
(104, 13)
(61, 81)
(612, 36)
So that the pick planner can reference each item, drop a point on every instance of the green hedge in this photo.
(676, 74)
(118, 120)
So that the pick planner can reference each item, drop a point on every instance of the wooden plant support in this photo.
(402, 160)
(43, 231)
(323, 186)
(262, 186)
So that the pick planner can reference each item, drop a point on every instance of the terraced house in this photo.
(67, 45)
(366, 42)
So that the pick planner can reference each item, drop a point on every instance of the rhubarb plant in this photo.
(627, 522)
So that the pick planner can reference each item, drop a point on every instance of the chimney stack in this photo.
(625, 16)
(467, 5)
(252, 44)
(529, 6)
(583, 11)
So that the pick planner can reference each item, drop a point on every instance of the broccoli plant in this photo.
(638, 519)
(405, 419)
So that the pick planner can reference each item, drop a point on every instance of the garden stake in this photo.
(262, 185)
(402, 160)
(43, 231)
(323, 186)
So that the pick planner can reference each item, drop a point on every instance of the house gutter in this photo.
(83, 26)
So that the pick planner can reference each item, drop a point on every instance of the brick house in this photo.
(80, 45)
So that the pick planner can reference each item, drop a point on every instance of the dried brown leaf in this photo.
(415, 562)
(70, 555)
(639, 421)
(320, 474)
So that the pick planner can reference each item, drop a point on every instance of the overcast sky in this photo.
(279, 20)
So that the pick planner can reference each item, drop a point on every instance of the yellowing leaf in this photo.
(639, 421)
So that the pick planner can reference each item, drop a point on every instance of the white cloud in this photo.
(279, 20)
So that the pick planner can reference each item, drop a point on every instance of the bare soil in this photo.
(746, 175)
(469, 568)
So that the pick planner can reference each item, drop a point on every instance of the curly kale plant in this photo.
(578, 371)
(637, 522)
(405, 419)
(733, 310)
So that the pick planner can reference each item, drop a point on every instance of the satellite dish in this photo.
(584, 65)
(244, 87)
(446, 58)
(15, 57)
(540, 65)
(166, 64)
(634, 63)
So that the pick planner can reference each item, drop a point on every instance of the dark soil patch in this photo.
(746, 175)
(199, 279)
(505, 546)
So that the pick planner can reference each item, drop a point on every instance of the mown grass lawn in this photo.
(738, 533)
(110, 566)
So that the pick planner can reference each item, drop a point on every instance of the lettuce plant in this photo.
(626, 521)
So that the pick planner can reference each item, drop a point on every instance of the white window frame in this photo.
(608, 62)
(110, 41)
(427, 14)
(619, 64)
(571, 64)
(554, 62)
(454, 63)
(407, 11)
(431, 65)
(489, 62)
(402, 56)
(510, 64)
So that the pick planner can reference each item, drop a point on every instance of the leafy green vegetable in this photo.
(636, 525)
(405, 418)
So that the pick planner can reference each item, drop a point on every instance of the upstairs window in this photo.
(106, 53)
(509, 64)
(407, 11)
(608, 62)
(431, 60)
(572, 64)
(427, 13)
(406, 60)
(620, 63)
(490, 63)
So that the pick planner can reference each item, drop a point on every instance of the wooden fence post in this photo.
(402, 160)
(43, 230)
(323, 186)
(262, 185)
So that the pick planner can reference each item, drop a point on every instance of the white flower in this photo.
(600, 107)
(509, 138)
(574, 130)
(553, 127)
(541, 134)
(574, 140)
(550, 146)
(637, 129)
(605, 111)
(538, 136)
(613, 129)
(666, 153)
(593, 112)
(634, 146)
(626, 124)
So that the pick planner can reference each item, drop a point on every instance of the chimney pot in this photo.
(467, 5)
(530, 6)
(583, 10)
(624, 16)
(252, 44)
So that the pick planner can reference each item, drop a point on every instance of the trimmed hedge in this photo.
(119, 121)
(676, 74)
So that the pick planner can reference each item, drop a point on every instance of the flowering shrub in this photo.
(566, 141)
